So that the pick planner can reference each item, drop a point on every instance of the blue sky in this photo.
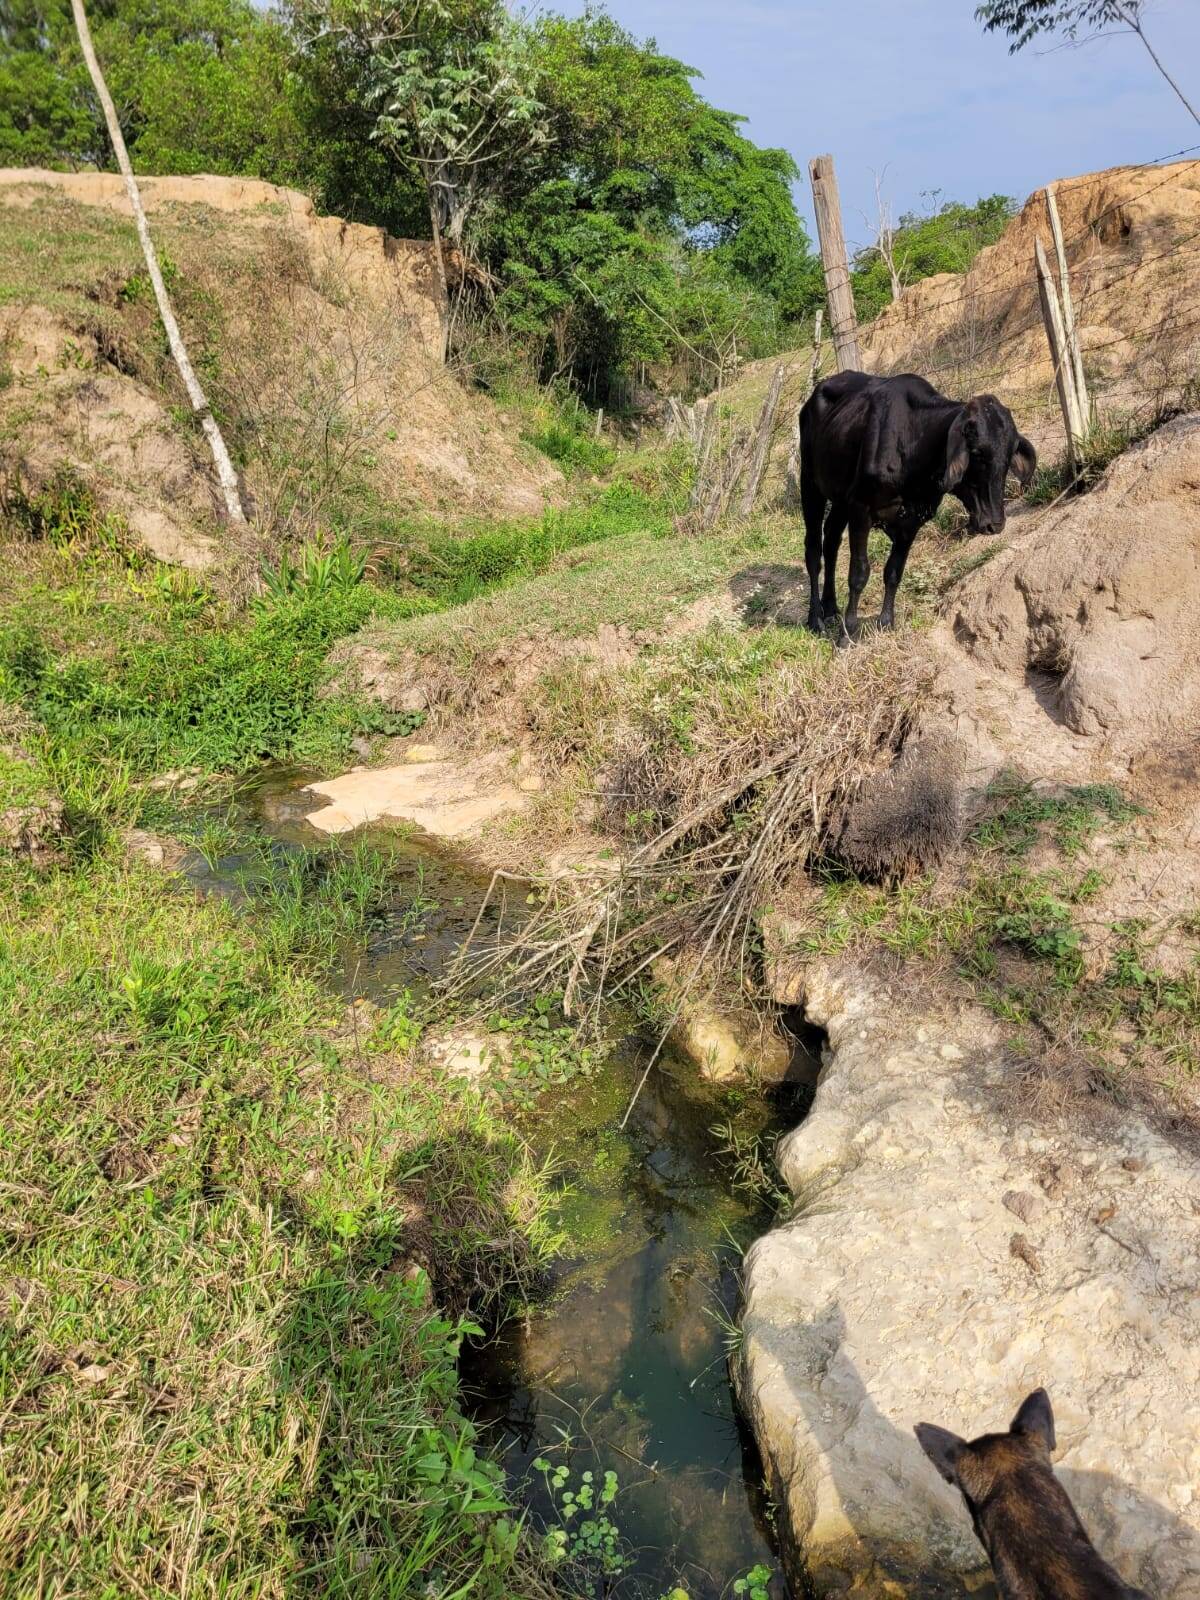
(914, 87)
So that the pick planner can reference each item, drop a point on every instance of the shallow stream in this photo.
(622, 1367)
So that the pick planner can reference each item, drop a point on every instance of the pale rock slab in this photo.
(894, 1294)
(440, 797)
(465, 1053)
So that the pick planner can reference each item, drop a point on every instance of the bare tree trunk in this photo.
(226, 476)
(439, 257)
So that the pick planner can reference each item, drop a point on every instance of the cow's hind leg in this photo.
(835, 526)
(860, 566)
(812, 503)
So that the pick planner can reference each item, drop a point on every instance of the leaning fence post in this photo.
(1070, 327)
(1064, 375)
(828, 208)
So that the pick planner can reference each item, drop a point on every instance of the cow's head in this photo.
(982, 448)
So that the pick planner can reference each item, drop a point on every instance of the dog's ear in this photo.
(942, 1447)
(1024, 462)
(958, 454)
(1035, 1419)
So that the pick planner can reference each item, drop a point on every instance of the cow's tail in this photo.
(812, 414)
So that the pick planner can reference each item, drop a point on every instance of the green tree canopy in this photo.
(657, 228)
(945, 239)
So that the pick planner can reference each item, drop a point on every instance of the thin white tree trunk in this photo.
(226, 476)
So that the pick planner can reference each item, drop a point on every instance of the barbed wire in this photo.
(1018, 279)
(1011, 277)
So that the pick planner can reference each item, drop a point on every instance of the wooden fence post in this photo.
(1068, 310)
(828, 208)
(1060, 353)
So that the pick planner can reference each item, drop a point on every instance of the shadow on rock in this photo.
(867, 1513)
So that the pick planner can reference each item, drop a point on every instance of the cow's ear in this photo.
(1036, 1419)
(1024, 461)
(942, 1447)
(958, 455)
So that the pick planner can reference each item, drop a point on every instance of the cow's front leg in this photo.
(902, 539)
(860, 566)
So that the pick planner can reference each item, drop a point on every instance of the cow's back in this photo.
(831, 428)
(856, 427)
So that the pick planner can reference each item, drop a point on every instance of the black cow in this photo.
(882, 452)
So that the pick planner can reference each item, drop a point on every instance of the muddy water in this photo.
(622, 1366)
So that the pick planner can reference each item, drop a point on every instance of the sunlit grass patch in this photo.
(221, 1366)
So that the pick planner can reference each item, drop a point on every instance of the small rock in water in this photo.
(1029, 1207)
(466, 1054)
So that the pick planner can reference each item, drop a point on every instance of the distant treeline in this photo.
(617, 221)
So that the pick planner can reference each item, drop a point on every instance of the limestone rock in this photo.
(1025, 1204)
(1087, 619)
(444, 799)
(893, 1296)
(726, 1045)
(141, 845)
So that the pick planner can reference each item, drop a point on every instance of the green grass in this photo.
(218, 1377)
(1108, 438)
(451, 568)
(637, 579)
(1023, 940)
(1075, 815)
(133, 670)
(570, 445)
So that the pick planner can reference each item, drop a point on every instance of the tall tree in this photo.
(1025, 20)
(453, 88)
(226, 476)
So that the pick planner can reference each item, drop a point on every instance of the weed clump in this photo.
(907, 819)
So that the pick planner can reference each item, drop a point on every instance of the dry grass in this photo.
(719, 819)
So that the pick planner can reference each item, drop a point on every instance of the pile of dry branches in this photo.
(738, 812)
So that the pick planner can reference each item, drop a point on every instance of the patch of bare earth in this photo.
(320, 345)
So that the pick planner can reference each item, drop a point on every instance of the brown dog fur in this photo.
(1034, 1539)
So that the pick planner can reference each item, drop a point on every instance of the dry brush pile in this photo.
(714, 823)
